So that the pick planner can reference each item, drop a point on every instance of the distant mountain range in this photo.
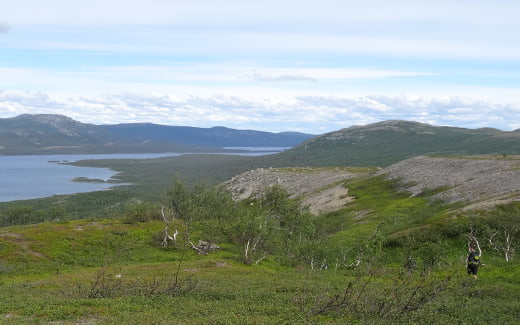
(378, 144)
(388, 142)
(208, 137)
(52, 134)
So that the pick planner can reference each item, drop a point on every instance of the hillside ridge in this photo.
(321, 189)
(479, 181)
(475, 182)
(58, 134)
(384, 143)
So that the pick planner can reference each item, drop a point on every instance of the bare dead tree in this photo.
(350, 296)
(373, 243)
(204, 247)
(365, 297)
(506, 245)
(167, 222)
(261, 259)
(251, 247)
(473, 240)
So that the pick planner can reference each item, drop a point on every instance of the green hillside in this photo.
(387, 258)
(384, 143)
(378, 144)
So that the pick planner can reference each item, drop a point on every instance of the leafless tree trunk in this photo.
(250, 247)
(472, 239)
(204, 247)
(506, 247)
(167, 221)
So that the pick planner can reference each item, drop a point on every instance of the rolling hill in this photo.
(208, 137)
(472, 182)
(381, 245)
(381, 257)
(388, 142)
(378, 144)
(58, 134)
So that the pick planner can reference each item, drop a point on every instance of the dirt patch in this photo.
(22, 243)
(95, 225)
(221, 264)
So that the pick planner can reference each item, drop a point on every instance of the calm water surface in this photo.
(30, 177)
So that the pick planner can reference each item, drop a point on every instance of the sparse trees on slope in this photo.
(503, 232)
(271, 224)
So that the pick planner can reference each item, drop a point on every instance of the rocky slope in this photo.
(477, 181)
(321, 189)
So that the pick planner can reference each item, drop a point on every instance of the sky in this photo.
(306, 66)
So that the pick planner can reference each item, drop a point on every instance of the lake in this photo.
(37, 176)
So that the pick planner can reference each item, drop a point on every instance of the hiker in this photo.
(410, 265)
(472, 261)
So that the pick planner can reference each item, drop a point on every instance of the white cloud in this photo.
(279, 78)
(307, 114)
(267, 74)
(276, 65)
(197, 79)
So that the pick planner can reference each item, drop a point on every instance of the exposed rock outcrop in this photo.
(321, 189)
(479, 182)
(469, 180)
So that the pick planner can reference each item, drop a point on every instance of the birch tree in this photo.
(503, 234)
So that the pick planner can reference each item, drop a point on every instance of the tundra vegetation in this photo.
(184, 252)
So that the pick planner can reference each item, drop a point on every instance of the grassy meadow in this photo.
(386, 258)
(110, 272)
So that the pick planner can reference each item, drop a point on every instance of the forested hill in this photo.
(388, 142)
(209, 137)
(378, 144)
(52, 134)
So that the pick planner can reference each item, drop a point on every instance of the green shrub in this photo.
(142, 212)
